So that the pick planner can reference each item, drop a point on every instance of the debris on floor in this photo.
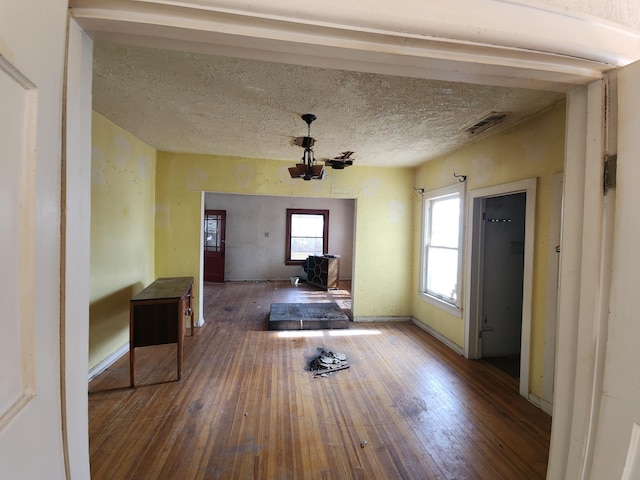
(327, 363)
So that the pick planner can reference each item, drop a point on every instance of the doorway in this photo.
(214, 226)
(500, 276)
(502, 257)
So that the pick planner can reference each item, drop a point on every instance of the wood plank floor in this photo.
(247, 406)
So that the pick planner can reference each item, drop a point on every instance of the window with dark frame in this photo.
(307, 234)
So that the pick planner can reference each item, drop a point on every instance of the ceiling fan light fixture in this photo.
(307, 169)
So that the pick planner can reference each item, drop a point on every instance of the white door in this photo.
(32, 53)
(619, 414)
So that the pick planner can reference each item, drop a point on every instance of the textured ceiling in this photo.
(186, 102)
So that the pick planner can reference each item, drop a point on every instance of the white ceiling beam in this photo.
(485, 41)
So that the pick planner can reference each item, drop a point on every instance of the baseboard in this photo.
(381, 319)
(107, 362)
(438, 336)
(197, 324)
(111, 359)
(541, 403)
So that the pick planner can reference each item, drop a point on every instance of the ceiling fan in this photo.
(341, 161)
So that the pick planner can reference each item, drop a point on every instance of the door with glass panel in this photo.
(214, 243)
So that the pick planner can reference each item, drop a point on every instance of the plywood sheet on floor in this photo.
(306, 316)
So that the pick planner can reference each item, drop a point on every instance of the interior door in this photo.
(214, 245)
(502, 275)
(617, 443)
(31, 71)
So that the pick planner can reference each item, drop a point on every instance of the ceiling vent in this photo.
(487, 122)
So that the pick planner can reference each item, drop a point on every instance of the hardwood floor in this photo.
(248, 407)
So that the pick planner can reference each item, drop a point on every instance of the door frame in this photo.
(222, 240)
(473, 281)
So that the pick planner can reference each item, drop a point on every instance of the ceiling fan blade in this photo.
(338, 164)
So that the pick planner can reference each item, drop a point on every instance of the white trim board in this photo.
(438, 336)
(198, 322)
(107, 362)
(374, 319)
(453, 40)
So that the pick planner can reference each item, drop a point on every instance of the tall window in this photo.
(441, 253)
(307, 234)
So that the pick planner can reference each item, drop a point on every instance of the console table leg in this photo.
(132, 365)
(179, 358)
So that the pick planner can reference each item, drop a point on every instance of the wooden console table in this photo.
(157, 316)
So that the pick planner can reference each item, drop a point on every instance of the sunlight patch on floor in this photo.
(329, 333)
(300, 333)
(352, 332)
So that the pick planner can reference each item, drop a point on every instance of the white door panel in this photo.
(32, 53)
(17, 118)
(620, 400)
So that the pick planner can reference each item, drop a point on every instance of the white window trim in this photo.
(453, 309)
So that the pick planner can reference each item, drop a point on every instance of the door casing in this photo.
(473, 280)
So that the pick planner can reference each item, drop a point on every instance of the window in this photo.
(441, 252)
(307, 234)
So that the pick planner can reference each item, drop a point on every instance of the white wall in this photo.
(256, 231)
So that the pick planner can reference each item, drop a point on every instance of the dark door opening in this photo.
(502, 280)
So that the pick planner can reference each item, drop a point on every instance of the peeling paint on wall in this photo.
(397, 210)
(243, 174)
(483, 167)
(162, 215)
(370, 186)
(123, 151)
(196, 179)
(97, 166)
(144, 166)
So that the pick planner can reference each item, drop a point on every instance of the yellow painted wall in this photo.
(532, 149)
(383, 242)
(122, 232)
(387, 220)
